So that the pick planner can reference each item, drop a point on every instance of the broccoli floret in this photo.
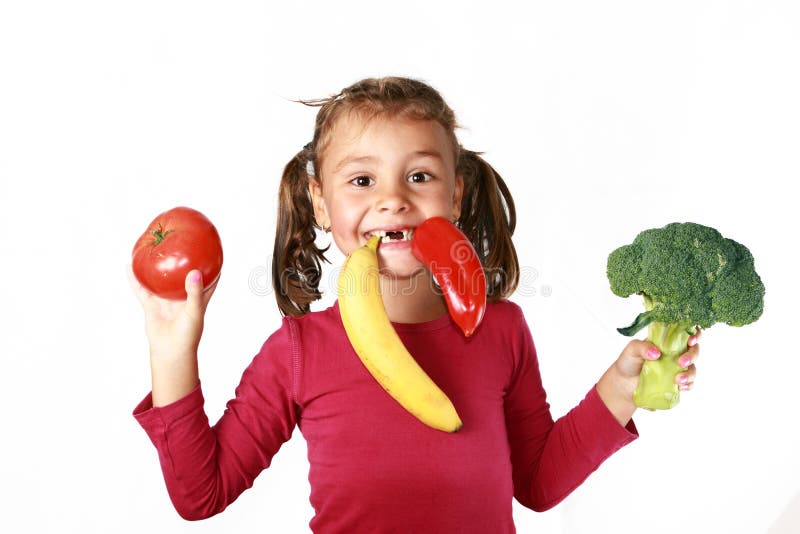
(689, 275)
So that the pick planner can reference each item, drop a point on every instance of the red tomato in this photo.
(176, 242)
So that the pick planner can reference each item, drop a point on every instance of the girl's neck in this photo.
(411, 300)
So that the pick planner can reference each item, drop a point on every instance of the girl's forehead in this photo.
(353, 131)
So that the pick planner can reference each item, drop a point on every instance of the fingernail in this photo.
(653, 353)
(195, 278)
(684, 361)
(693, 341)
(683, 379)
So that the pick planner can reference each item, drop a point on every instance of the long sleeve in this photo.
(374, 467)
(551, 459)
(206, 468)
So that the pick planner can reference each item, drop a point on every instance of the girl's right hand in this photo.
(174, 328)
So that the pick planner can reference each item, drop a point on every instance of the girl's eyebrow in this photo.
(354, 159)
(347, 160)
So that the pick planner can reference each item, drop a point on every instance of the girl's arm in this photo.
(551, 458)
(173, 330)
(206, 468)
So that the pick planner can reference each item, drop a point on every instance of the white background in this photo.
(605, 118)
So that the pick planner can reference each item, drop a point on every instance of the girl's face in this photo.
(388, 174)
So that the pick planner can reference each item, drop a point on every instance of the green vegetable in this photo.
(689, 276)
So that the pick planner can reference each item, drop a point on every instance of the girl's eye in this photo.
(419, 177)
(361, 181)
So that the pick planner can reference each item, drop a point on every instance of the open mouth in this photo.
(394, 236)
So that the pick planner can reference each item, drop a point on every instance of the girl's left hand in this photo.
(630, 362)
(617, 385)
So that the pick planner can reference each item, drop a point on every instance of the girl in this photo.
(384, 156)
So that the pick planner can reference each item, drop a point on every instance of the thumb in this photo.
(194, 292)
(634, 355)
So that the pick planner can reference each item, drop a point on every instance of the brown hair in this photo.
(488, 217)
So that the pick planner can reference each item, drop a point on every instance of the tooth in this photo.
(382, 234)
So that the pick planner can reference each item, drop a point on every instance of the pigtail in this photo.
(296, 259)
(488, 219)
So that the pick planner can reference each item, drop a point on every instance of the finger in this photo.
(693, 339)
(641, 350)
(686, 378)
(686, 381)
(633, 356)
(208, 291)
(689, 357)
(650, 351)
(138, 289)
(194, 292)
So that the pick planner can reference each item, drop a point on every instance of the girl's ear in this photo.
(458, 194)
(318, 202)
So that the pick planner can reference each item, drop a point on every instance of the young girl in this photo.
(384, 156)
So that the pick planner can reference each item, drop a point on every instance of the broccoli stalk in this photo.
(657, 389)
(689, 275)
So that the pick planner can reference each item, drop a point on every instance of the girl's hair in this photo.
(488, 217)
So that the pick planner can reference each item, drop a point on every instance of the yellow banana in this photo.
(380, 348)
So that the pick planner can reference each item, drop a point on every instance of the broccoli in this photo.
(689, 276)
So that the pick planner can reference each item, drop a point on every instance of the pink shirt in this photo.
(373, 466)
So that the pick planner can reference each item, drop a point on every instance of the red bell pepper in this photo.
(448, 254)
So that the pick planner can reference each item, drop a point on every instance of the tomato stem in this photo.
(159, 234)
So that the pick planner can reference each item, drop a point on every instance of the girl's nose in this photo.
(392, 198)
